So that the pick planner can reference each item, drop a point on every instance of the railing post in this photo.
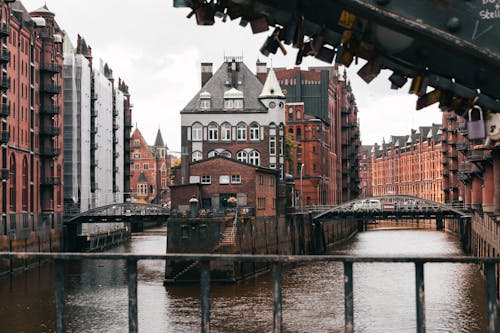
(348, 298)
(420, 296)
(205, 295)
(491, 291)
(277, 299)
(132, 296)
(59, 293)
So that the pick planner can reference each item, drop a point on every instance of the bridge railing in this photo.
(277, 262)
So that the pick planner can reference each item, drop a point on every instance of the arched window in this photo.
(242, 132)
(254, 131)
(226, 132)
(242, 156)
(196, 132)
(12, 188)
(254, 157)
(213, 132)
(226, 153)
(298, 114)
(25, 184)
(197, 155)
(212, 153)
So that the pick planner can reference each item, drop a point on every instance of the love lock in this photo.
(476, 128)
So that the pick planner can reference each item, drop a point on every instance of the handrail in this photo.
(277, 261)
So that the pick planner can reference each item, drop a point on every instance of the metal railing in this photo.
(277, 261)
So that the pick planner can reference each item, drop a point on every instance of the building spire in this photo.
(271, 87)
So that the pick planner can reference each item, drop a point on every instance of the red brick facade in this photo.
(213, 181)
(149, 169)
(410, 165)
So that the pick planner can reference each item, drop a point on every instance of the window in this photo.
(197, 156)
(136, 166)
(242, 132)
(137, 155)
(137, 143)
(224, 179)
(271, 180)
(298, 115)
(299, 134)
(142, 189)
(235, 179)
(242, 156)
(196, 130)
(226, 132)
(261, 180)
(212, 153)
(204, 103)
(233, 103)
(25, 185)
(145, 166)
(290, 113)
(213, 132)
(261, 203)
(206, 179)
(254, 157)
(272, 145)
(254, 131)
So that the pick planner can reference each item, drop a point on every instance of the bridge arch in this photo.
(119, 211)
(391, 205)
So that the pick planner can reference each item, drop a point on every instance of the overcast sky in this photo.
(157, 51)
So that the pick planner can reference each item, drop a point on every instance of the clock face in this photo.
(272, 105)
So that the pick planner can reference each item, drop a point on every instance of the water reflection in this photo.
(96, 293)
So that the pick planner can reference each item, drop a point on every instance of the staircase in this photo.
(189, 267)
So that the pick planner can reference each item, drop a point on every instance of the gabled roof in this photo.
(159, 140)
(271, 87)
(220, 82)
(137, 135)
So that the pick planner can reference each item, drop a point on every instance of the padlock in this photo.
(475, 128)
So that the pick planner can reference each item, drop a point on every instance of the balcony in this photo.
(5, 110)
(115, 127)
(94, 146)
(115, 112)
(93, 96)
(51, 88)
(4, 30)
(4, 82)
(93, 113)
(51, 181)
(50, 110)
(5, 137)
(50, 131)
(51, 67)
(93, 129)
(50, 152)
(4, 55)
(116, 155)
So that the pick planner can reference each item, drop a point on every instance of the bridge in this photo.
(388, 207)
(127, 212)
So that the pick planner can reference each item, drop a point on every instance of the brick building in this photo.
(31, 131)
(150, 170)
(410, 164)
(235, 116)
(365, 171)
(215, 180)
(322, 119)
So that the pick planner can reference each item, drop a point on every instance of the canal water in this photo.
(96, 293)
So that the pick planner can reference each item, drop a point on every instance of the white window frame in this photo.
(254, 157)
(242, 156)
(205, 179)
(205, 103)
(225, 132)
(235, 179)
(254, 132)
(241, 132)
(213, 132)
(197, 132)
(272, 145)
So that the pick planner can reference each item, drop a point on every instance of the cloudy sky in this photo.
(157, 51)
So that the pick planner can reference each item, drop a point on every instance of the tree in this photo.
(290, 147)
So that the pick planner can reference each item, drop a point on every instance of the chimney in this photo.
(206, 72)
(261, 71)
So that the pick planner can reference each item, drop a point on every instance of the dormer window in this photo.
(233, 99)
(205, 100)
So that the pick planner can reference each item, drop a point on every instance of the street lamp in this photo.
(301, 186)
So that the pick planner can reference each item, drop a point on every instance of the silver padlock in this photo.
(476, 128)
